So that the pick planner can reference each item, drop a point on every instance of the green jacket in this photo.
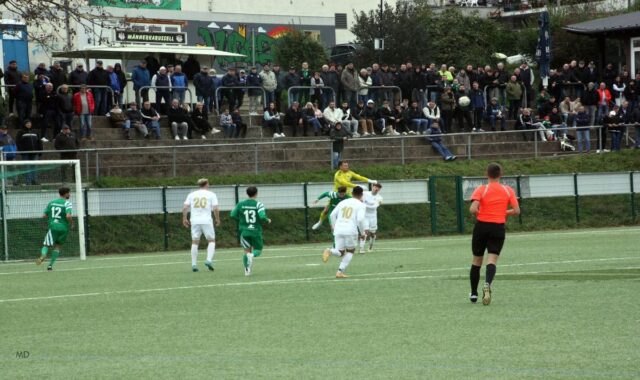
(514, 91)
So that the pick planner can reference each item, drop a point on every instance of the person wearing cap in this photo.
(78, 77)
(141, 77)
(99, 80)
(230, 79)
(292, 80)
(68, 143)
(204, 85)
(269, 83)
(255, 80)
(84, 105)
(367, 117)
(241, 90)
(179, 84)
(7, 144)
(612, 123)
(28, 140)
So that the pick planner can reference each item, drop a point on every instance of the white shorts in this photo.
(371, 222)
(346, 241)
(198, 230)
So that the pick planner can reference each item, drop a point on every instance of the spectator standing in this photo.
(240, 90)
(582, 131)
(448, 106)
(7, 144)
(255, 94)
(404, 82)
(269, 82)
(514, 96)
(65, 106)
(162, 85)
(613, 125)
(141, 78)
(203, 82)
(635, 119)
(631, 94)
(476, 95)
(230, 79)
(331, 81)
(57, 75)
(28, 140)
(114, 83)
(317, 85)
(339, 136)
(98, 80)
(122, 82)
(350, 82)
(49, 112)
(12, 76)
(178, 120)
(67, 142)
(277, 94)
(3, 108)
(78, 77)
(609, 76)
(292, 80)
(590, 101)
(305, 80)
(604, 99)
(151, 119)
(179, 84)
(618, 91)
(364, 82)
(463, 111)
(84, 106)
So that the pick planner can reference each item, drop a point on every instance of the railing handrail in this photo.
(264, 93)
(281, 142)
(323, 87)
(109, 89)
(139, 92)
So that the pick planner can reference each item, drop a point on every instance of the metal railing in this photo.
(525, 100)
(264, 93)
(388, 88)
(257, 157)
(155, 88)
(109, 89)
(310, 88)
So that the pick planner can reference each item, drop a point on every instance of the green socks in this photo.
(54, 257)
(44, 251)
(245, 260)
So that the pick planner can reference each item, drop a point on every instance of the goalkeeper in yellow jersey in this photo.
(342, 178)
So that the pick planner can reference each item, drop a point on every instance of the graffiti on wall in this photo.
(240, 41)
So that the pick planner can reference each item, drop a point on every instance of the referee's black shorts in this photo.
(487, 237)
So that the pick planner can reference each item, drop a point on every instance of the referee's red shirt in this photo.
(494, 199)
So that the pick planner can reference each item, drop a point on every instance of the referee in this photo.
(490, 204)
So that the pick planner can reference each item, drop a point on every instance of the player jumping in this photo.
(372, 200)
(490, 204)
(347, 219)
(343, 177)
(335, 197)
(58, 212)
(201, 203)
(249, 214)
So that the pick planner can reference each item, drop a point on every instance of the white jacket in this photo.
(432, 114)
(333, 116)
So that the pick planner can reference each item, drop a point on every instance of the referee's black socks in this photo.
(491, 273)
(474, 275)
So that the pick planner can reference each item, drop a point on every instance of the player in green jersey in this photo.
(58, 213)
(249, 214)
(335, 197)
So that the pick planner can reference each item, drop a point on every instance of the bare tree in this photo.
(49, 21)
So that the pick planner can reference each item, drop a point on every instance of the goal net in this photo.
(27, 188)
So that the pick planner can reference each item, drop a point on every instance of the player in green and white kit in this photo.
(335, 197)
(249, 214)
(58, 213)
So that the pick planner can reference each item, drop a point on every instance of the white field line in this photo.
(323, 279)
(382, 244)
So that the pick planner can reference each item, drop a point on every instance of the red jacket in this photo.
(607, 95)
(77, 103)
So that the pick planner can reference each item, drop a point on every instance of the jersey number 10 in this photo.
(347, 212)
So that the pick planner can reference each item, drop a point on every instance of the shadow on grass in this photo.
(583, 275)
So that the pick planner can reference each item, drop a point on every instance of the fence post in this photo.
(402, 150)
(577, 198)
(97, 165)
(519, 194)
(5, 246)
(165, 218)
(599, 138)
(87, 241)
(173, 161)
(432, 204)
(255, 158)
(86, 163)
(535, 144)
(306, 211)
(468, 147)
(633, 198)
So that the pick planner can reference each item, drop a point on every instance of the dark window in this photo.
(341, 21)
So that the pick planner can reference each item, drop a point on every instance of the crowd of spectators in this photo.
(404, 99)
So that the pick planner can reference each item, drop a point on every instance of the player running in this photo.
(249, 214)
(201, 203)
(346, 220)
(343, 177)
(58, 213)
(372, 200)
(490, 204)
(335, 197)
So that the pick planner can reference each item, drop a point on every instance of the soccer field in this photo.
(564, 306)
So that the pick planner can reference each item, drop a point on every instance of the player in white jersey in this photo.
(347, 222)
(372, 200)
(201, 203)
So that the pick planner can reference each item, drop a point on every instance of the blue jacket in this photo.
(477, 99)
(179, 82)
(115, 83)
(140, 77)
(8, 146)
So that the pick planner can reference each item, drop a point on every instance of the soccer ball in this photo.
(464, 101)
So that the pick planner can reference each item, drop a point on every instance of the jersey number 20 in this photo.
(200, 202)
(250, 216)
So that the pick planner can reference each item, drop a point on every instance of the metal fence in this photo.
(278, 155)
(296, 90)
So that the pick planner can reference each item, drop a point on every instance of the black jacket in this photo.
(28, 140)
(78, 77)
(99, 77)
(337, 137)
(67, 142)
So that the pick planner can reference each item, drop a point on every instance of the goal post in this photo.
(27, 188)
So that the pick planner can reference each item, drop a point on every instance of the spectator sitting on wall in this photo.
(200, 118)
(496, 114)
(135, 120)
(295, 120)
(348, 121)
(178, 120)
(241, 127)
(367, 118)
(118, 118)
(526, 121)
(386, 118)
(226, 123)
(151, 119)
(272, 120)
(310, 119)
(434, 137)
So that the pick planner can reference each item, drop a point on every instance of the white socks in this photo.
(346, 259)
(362, 243)
(335, 252)
(250, 259)
(194, 254)
(211, 250)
